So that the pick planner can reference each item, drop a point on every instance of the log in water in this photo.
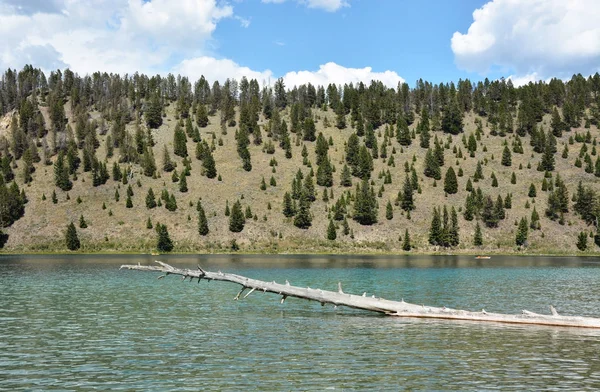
(372, 303)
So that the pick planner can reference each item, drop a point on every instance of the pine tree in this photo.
(453, 232)
(61, 173)
(183, 184)
(82, 222)
(582, 241)
(303, 218)
(365, 204)
(346, 177)
(489, 213)
(128, 202)
(154, 112)
(168, 164)
(452, 119)
(149, 224)
(202, 221)
(331, 231)
(450, 182)
(288, 208)
(478, 238)
(506, 157)
(163, 243)
(432, 167)
(150, 199)
(408, 203)
(71, 238)
(201, 116)
(478, 172)
(179, 142)
(532, 191)
(406, 245)
(237, 219)
(389, 211)
(556, 124)
(435, 230)
(522, 232)
(402, 132)
(309, 130)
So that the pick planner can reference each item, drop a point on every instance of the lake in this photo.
(79, 323)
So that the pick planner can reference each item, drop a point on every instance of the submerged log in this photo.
(375, 304)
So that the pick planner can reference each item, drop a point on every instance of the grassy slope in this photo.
(42, 227)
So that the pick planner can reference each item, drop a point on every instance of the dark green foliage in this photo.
(202, 221)
(149, 223)
(71, 238)
(128, 202)
(522, 232)
(201, 116)
(406, 245)
(435, 230)
(532, 191)
(303, 218)
(12, 203)
(389, 211)
(153, 113)
(452, 119)
(365, 204)
(82, 222)
(309, 130)
(331, 231)
(403, 133)
(489, 214)
(288, 206)
(557, 124)
(163, 242)
(506, 157)
(183, 184)
(61, 173)
(478, 237)
(408, 203)
(450, 182)
(478, 175)
(168, 164)
(179, 142)
(237, 220)
(432, 166)
(582, 241)
(325, 173)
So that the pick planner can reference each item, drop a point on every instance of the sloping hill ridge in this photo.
(113, 227)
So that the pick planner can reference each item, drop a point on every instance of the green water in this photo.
(78, 323)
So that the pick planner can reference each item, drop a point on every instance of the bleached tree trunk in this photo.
(372, 303)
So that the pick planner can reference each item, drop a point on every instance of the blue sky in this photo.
(317, 41)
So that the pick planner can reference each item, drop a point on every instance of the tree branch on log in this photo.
(375, 304)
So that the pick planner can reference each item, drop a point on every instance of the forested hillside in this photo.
(137, 163)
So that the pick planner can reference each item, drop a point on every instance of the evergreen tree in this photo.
(150, 199)
(452, 121)
(435, 230)
(202, 221)
(408, 203)
(453, 232)
(61, 173)
(148, 162)
(432, 167)
(71, 238)
(478, 238)
(237, 220)
(389, 211)
(331, 232)
(406, 245)
(532, 191)
(201, 116)
(179, 142)
(365, 204)
(478, 172)
(346, 177)
(128, 202)
(402, 132)
(309, 130)
(288, 207)
(557, 124)
(163, 243)
(154, 112)
(522, 232)
(582, 241)
(489, 213)
(82, 222)
(168, 164)
(506, 157)
(183, 184)
(325, 173)
(450, 182)
(303, 218)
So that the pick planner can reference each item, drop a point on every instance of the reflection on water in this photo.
(80, 323)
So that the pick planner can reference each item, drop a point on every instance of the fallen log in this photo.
(372, 303)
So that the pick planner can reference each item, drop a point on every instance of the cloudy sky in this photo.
(317, 41)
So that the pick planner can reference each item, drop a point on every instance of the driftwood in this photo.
(371, 303)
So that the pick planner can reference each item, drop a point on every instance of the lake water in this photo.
(78, 323)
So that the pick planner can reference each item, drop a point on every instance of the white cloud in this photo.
(519, 81)
(327, 5)
(532, 37)
(337, 74)
(109, 35)
(219, 69)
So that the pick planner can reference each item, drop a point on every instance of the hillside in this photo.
(121, 229)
